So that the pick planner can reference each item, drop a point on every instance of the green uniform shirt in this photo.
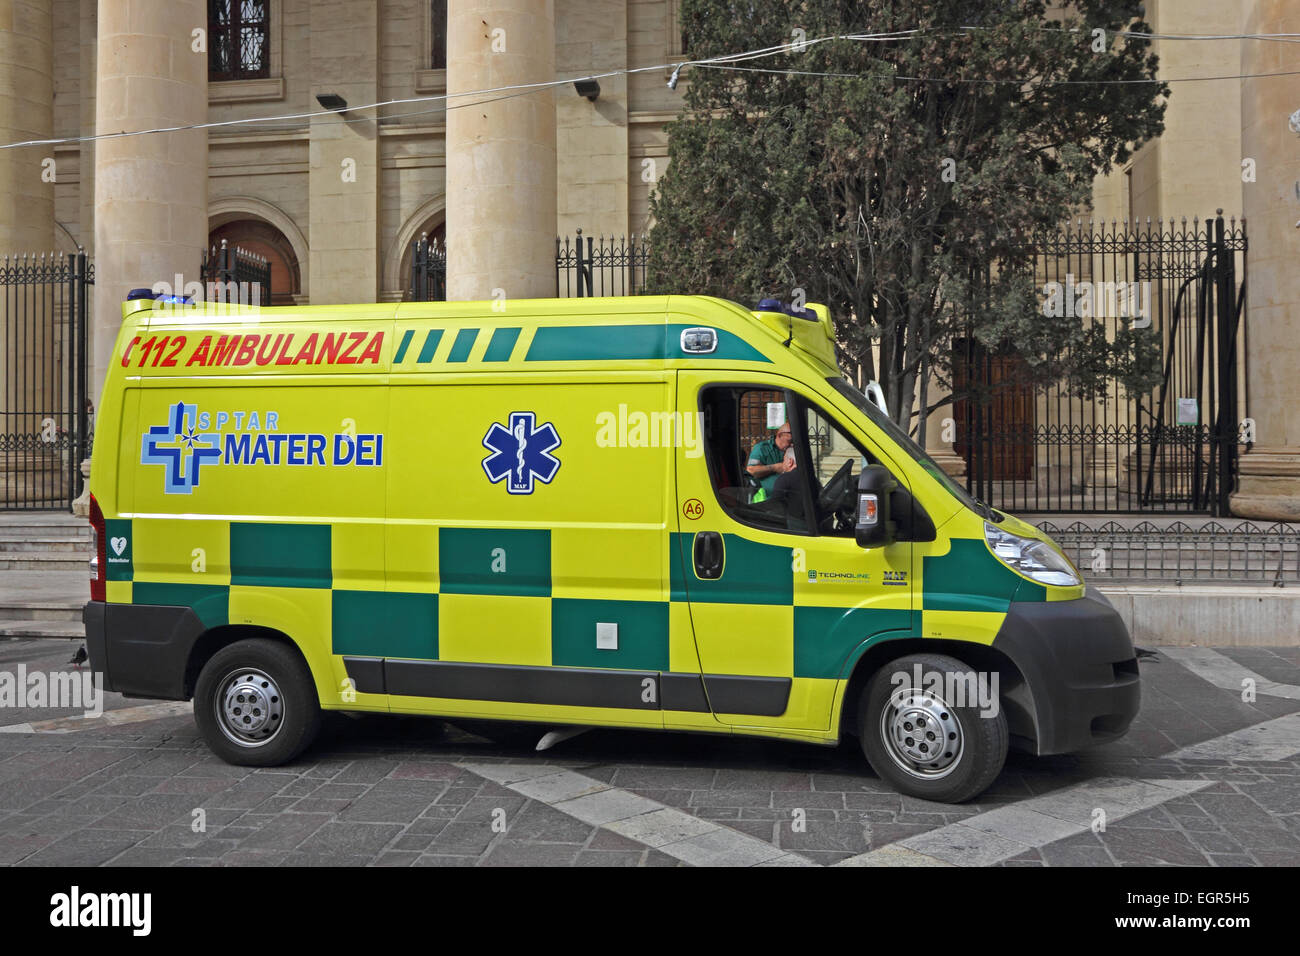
(766, 453)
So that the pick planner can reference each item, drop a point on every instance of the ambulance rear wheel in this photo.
(255, 704)
(923, 735)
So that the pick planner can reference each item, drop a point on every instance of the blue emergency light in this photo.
(776, 305)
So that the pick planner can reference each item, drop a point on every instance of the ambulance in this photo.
(546, 512)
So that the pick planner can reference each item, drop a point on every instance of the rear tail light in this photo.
(98, 563)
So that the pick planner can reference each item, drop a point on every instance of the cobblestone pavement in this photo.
(1203, 778)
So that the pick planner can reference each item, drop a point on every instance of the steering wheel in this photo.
(835, 502)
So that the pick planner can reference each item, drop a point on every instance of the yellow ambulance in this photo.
(665, 512)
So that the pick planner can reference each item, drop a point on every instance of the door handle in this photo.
(709, 555)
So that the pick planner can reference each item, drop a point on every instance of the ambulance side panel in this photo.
(526, 533)
(244, 495)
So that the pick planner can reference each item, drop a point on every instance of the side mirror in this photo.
(875, 486)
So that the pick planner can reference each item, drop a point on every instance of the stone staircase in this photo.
(44, 574)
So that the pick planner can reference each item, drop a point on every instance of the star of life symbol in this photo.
(521, 452)
(179, 448)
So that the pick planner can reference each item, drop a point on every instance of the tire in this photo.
(255, 704)
(975, 745)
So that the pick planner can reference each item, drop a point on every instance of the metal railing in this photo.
(1214, 552)
(44, 411)
(428, 270)
(1171, 449)
(600, 266)
(241, 276)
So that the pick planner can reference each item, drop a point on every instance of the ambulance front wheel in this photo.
(926, 731)
(255, 704)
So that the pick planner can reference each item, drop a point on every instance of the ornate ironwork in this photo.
(600, 266)
(1222, 552)
(1173, 449)
(235, 275)
(44, 407)
(428, 270)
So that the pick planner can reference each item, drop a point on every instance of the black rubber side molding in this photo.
(571, 686)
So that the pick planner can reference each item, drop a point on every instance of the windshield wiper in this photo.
(987, 511)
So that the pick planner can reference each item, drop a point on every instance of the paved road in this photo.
(1202, 779)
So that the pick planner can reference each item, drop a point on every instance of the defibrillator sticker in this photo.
(521, 452)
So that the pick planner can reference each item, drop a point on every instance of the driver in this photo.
(772, 458)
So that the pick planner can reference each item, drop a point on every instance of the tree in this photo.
(903, 189)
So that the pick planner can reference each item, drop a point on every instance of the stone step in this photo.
(77, 526)
(13, 630)
(18, 535)
(45, 561)
(21, 545)
(42, 519)
(18, 610)
(80, 530)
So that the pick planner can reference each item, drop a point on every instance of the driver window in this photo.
(751, 448)
(836, 462)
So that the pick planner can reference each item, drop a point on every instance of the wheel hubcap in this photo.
(922, 734)
(250, 708)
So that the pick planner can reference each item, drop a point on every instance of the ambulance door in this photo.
(782, 598)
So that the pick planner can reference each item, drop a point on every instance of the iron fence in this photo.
(428, 271)
(1170, 450)
(44, 410)
(240, 276)
(1219, 552)
(600, 267)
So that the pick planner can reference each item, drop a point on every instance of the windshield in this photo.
(901, 438)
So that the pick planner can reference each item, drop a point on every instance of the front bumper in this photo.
(141, 650)
(1081, 685)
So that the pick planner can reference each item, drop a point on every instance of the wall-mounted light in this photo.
(588, 88)
(332, 101)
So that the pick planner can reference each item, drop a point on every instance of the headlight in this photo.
(1031, 557)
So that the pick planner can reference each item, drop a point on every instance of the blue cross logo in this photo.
(521, 452)
(177, 446)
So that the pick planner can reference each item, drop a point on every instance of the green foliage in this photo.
(836, 185)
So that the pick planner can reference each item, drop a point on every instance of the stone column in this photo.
(344, 177)
(500, 155)
(26, 112)
(27, 228)
(151, 191)
(88, 25)
(1269, 486)
(87, 21)
(940, 437)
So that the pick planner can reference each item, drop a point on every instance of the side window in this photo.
(752, 457)
(836, 461)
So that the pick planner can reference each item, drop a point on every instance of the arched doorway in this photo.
(267, 241)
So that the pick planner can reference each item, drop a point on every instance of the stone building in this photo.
(335, 200)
